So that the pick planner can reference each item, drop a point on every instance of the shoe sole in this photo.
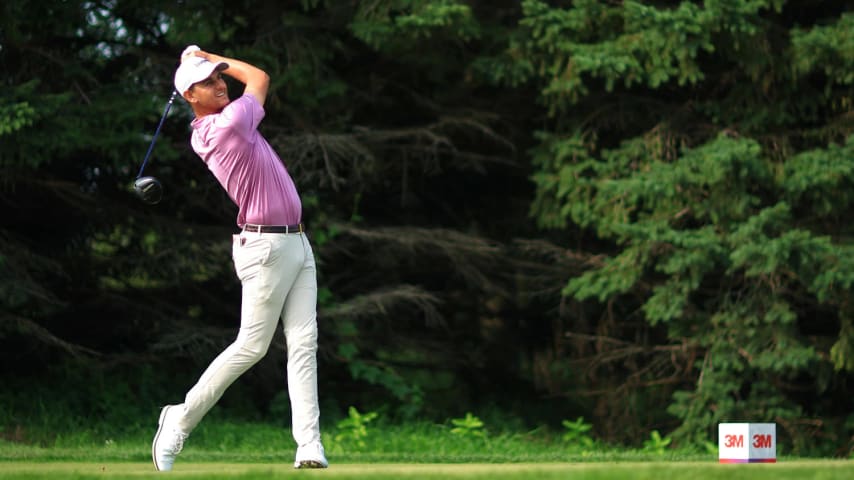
(157, 436)
(309, 464)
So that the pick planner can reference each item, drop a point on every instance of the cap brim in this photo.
(203, 73)
(195, 74)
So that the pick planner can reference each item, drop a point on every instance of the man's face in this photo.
(209, 95)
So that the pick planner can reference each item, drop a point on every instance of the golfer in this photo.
(272, 255)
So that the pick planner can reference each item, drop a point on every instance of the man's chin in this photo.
(219, 108)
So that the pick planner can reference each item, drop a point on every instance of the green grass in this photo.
(223, 449)
(224, 441)
(801, 469)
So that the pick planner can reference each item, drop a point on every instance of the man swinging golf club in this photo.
(272, 256)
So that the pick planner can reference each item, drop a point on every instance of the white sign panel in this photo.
(747, 442)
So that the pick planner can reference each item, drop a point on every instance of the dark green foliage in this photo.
(714, 155)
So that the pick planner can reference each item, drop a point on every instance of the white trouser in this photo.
(279, 281)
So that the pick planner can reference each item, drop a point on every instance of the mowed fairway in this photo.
(801, 469)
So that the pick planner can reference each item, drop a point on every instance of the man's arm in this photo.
(256, 80)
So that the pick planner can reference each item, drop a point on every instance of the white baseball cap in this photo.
(194, 69)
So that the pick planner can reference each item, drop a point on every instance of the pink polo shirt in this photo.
(246, 165)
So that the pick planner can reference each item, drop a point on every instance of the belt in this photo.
(298, 228)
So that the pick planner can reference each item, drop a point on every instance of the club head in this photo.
(148, 189)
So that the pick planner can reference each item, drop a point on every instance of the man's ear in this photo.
(188, 96)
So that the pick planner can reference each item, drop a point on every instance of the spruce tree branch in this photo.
(384, 302)
(470, 256)
(31, 329)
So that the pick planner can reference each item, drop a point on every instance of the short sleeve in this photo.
(242, 116)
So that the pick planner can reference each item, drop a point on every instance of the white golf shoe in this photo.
(169, 439)
(311, 455)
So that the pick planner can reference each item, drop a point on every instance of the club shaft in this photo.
(156, 133)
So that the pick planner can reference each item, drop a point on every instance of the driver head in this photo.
(148, 189)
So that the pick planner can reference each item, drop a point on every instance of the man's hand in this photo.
(213, 58)
(189, 51)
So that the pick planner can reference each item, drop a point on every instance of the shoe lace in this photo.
(176, 447)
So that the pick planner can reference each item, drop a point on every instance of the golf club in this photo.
(149, 189)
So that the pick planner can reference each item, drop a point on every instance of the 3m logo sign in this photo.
(734, 441)
(762, 441)
(747, 443)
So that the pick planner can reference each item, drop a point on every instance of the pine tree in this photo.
(707, 147)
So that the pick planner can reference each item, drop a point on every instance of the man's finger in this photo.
(189, 51)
